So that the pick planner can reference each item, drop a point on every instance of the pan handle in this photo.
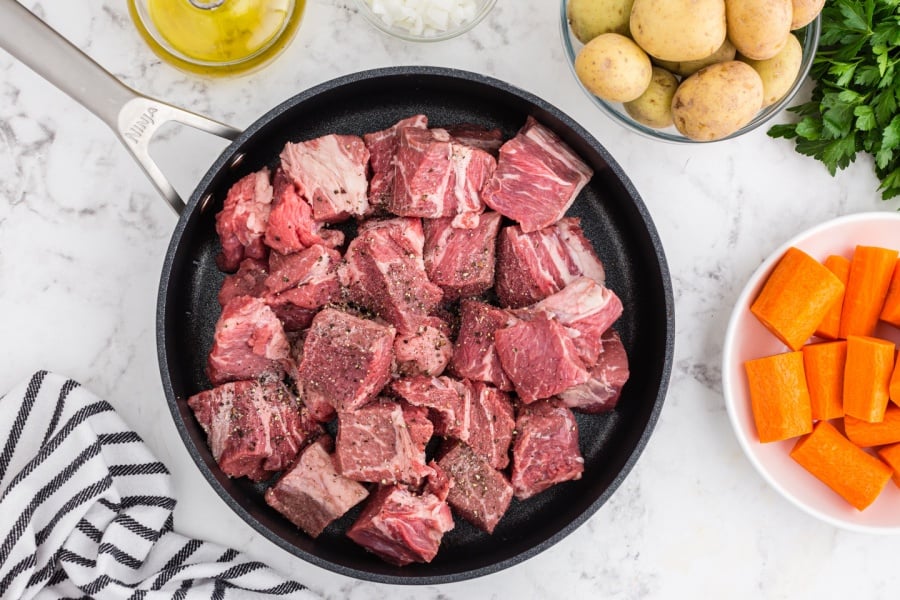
(134, 117)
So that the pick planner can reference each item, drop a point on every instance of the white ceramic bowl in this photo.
(746, 338)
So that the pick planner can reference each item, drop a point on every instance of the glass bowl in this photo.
(216, 37)
(482, 8)
(809, 41)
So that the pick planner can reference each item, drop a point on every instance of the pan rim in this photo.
(233, 150)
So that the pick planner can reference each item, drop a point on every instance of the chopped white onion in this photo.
(424, 17)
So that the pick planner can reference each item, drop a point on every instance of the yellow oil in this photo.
(234, 36)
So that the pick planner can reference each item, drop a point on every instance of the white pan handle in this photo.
(134, 117)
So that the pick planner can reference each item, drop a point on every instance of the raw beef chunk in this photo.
(384, 272)
(301, 283)
(492, 424)
(241, 224)
(382, 147)
(477, 136)
(474, 353)
(461, 261)
(346, 360)
(438, 481)
(531, 266)
(449, 402)
(546, 448)
(539, 357)
(253, 428)
(480, 494)
(402, 527)
(374, 443)
(291, 225)
(436, 176)
(586, 309)
(249, 342)
(424, 351)
(537, 178)
(601, 392)
(420, 426)
(330, 173)
(249, 280)
(312, 493)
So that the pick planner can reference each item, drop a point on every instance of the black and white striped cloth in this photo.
(86, 510)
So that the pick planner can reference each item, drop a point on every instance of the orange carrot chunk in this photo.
(824, 368)
(841, 465)
(871, 269)
(796, 297)
(890, 312)
(866, 435)
(894, 385)
(891, 455)
(867, 373)
(830, 326)
(778, 396)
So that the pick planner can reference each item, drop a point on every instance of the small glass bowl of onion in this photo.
(425, 20)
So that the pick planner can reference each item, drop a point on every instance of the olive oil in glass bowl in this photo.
(216, 36)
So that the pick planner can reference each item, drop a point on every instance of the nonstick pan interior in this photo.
(614, 218)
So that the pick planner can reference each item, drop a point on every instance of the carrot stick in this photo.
(890, 312)
(871, 269)
(778, 396)
(867, 373)
(841, 465)
(796, 297)
(824, 367)
(894, 384)
(866, 435)
(830, 326)
(891, 455)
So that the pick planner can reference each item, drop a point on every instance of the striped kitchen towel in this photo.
(86, 510)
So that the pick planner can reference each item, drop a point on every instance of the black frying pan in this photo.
(613, 216)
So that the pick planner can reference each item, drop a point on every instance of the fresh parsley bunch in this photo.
(854, 106)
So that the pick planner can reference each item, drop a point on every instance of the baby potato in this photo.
(590, 18)
(779, 72)
(653, 108)
(613, 67)
(717, 101)
(758, 28)
(804, 11)
(688, 67)
(678, 30)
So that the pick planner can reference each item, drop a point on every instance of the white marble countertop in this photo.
(83, 234)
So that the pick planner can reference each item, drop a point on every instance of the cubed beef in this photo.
(291, 225)
(477, 136)
(492, 424)
(249, 342)
(531, 266)
(374, 443)
(539, 357)
(449, 402)
(425, 350)
(346, 360)
(382, 147)
(474, 353)
(546, 448)
(461, 261)
(401, 527)
(312, 494)
(253, 428)
(586, 309)
(601, 392)
(384, 272)
(438, 481)
(249, 280)
(537, 178)
(301, 283)
(420, 426)
(436, 176)
(330, 173)
(480, 494)
(241, 224)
